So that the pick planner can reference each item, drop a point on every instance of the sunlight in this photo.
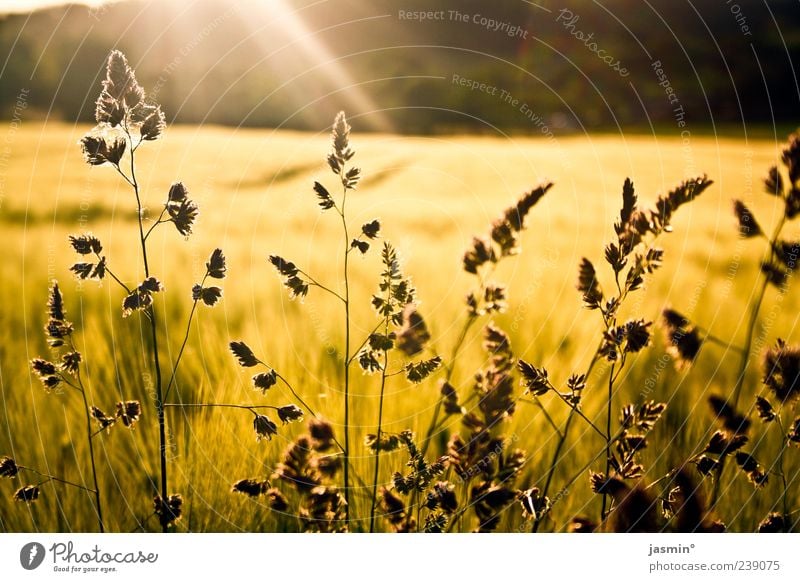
(22, 6)
(329, 65)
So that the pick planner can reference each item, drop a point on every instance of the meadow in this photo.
(432, 194)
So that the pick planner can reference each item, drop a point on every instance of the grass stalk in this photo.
(744, 360)
(184, 342)
(387, 281)
(451, 366)
(346, 363)
(159, 403)
(89, 435)
(49, 477)
(563, 435)
(608, 434)
(378, 449)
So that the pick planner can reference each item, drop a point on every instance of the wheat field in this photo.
(432, 194)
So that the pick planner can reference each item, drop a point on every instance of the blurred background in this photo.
(264, 63)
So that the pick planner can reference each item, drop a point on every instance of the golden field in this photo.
(432, 194)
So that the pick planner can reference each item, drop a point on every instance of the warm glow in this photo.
(31, 5)
(330, 67)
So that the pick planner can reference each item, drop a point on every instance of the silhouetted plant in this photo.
(480, 478)
(776, 271)
(633, 255)
(65, 370)
(400, 327)
(126, 119)
(308, 468)
(298, 281)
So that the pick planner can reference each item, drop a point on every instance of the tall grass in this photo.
(428, 442)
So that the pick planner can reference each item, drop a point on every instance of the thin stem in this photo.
(180, 352)
(113, 276)
(721, 342)
(554, 462)
(562, 441)
(218, 405)
(577, 411)
(54, 478)
(616, 376)
(471, 319)
(251, 408)
(754, 312)
(98, 505)
(387, 283)
(316, 283)
(183, 344)
(608, 434)
(135, 185)
(156, 223)
(577, 475)
(366, 339)
(123, 174)
(162, 432)
(297, 396)
(755, 308)
(784, 444)
(121, 284)
(99, 430)
(346, 364)
(82, 389)
(378, 448)
(535, 402)
(66, 381)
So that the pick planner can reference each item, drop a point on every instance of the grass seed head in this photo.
(794, 432)
(733, 421)
(264, 427)
(100, 149)
(791, 157)
(265, 380)
(243, 354)
(765, 411)
(277, 502)
(105, 421)
(8, 467)
(251, 487)
(413, 334)
(782, 371)
(216, 265)
(290, 413)
(27, 494)
(748, 226)
(70, 362)
(773, 523)
(129, 412)
(169, 511)
(86, 244)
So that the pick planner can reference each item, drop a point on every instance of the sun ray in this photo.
(314, 50)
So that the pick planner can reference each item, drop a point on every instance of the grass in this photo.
(431, 194)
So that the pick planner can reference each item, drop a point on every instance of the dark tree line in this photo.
(219, 62)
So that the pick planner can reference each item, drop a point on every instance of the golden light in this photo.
(324, 62)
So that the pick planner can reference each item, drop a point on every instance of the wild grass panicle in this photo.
(126, 120)
(464, 465)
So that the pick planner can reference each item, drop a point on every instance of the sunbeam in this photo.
(317, 56)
